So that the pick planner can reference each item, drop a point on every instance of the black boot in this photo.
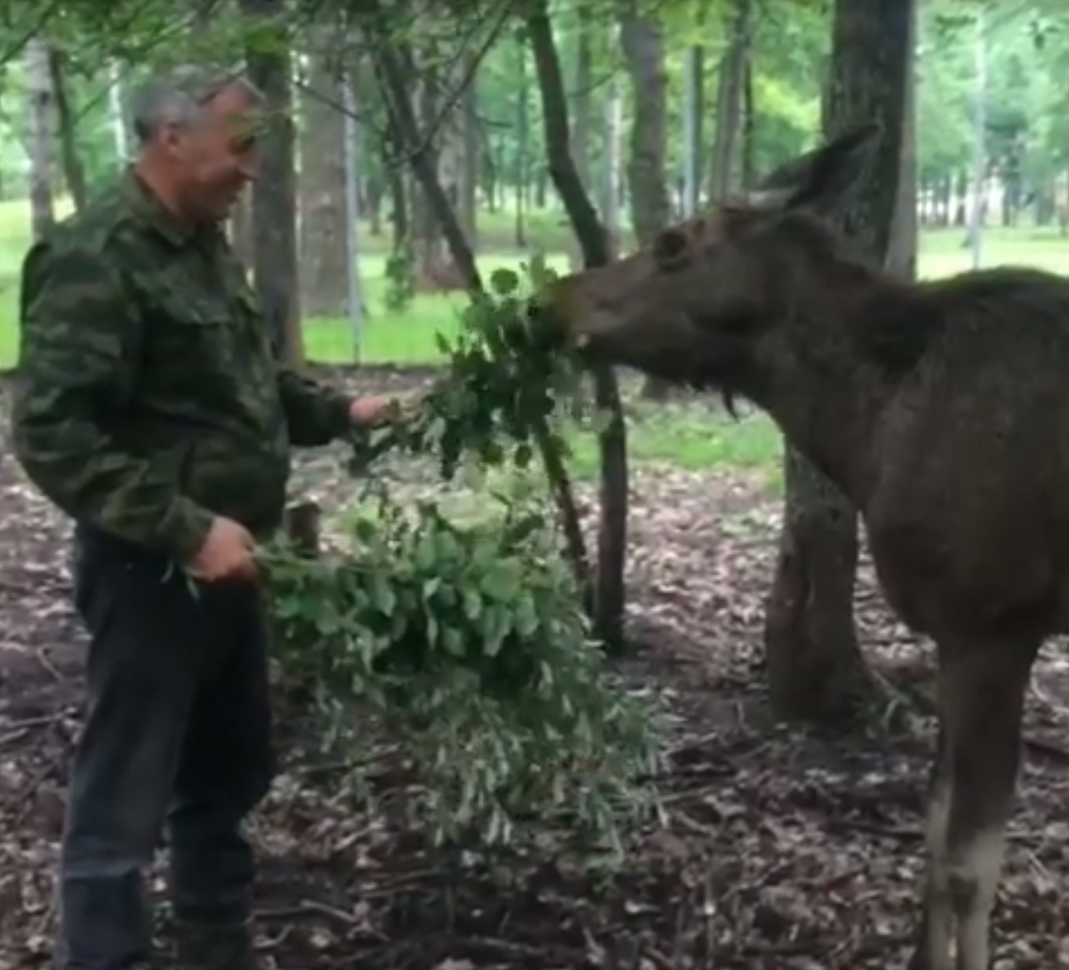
(215, 946)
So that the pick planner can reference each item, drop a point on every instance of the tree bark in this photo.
(582, 98)
(731, 91)
(42, 119)
(274, 196)
(642, 41)
(815, 667)
(73, 168)
(902, 249)
(323, 267)
(609, 595)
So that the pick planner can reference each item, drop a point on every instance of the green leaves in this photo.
(504, 282)
(502, 388)
(471, 642)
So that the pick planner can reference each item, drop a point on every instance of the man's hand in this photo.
(227, 553)
(369, 412)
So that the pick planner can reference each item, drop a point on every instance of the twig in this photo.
(872, 828)
(308, 907)
(1047, 749)
(411, 879)
(314, 906)
(40, 720)
(42, 659)
(11, 736)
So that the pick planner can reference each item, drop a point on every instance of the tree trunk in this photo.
(748, 162)
(323, 266)
(73, 168)
(815, 667)
(437, 116)
(693, 128)
(642, 41)
(731, 90)
(470, 151)
(582, 96)
(902, 249)
(42, 118)
(522, 167)
(609, 186)
(609, 597)
(274, 197)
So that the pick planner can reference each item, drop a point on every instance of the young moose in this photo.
(941, 409)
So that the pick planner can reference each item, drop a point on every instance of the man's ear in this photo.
(823, 177)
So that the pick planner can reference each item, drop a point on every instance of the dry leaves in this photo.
(776, 848)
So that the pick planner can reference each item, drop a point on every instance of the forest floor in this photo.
(778, 848)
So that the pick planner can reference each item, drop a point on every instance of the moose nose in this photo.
(542, 323)
(549, 327)
(534, 313)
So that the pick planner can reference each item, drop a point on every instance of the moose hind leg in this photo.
(981, 701)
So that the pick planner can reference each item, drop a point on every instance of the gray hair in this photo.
(182, 95)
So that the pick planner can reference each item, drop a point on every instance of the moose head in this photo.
(727, 300)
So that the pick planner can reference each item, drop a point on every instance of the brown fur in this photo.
(941, 409)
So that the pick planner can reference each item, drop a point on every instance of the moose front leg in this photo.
(981, 701)
(936, 925)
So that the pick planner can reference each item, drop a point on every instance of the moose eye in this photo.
(670, 249)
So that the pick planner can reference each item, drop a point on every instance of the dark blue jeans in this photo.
(177, 738)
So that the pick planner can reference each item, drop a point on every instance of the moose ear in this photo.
(820, 179)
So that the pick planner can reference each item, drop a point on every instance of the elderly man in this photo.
(151, 409)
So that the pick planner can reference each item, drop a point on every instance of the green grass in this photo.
(691, 436)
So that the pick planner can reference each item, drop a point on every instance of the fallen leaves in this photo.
(775, 848)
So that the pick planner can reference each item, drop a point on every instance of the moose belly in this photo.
(964, 544)
(948, 587)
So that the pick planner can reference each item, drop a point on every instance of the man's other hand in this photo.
(227, 553)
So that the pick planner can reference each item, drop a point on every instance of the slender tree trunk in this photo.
(582, 98)
(642, 41)
(324, 268)
(902, 250)
(470, 150)
(274, 196)
(609, 597)
(611, 165)
(522, 167)
(42, 121)
(724, 171)
(73, 169)
(749, 140)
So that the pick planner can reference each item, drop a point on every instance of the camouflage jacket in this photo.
(148, 395)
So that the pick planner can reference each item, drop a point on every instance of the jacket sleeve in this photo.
(315, 414)
(81, 340)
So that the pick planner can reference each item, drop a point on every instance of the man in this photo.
(150, 409)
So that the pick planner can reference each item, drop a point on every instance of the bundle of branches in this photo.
(500, 400)
(469, 638)
(502, 383)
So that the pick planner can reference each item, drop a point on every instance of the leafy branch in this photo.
(503, 385)
(467, 642)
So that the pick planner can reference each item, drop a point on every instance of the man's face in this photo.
(214, 158)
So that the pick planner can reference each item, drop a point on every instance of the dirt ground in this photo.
(778, 848)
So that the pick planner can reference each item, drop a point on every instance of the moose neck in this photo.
(822, 384)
